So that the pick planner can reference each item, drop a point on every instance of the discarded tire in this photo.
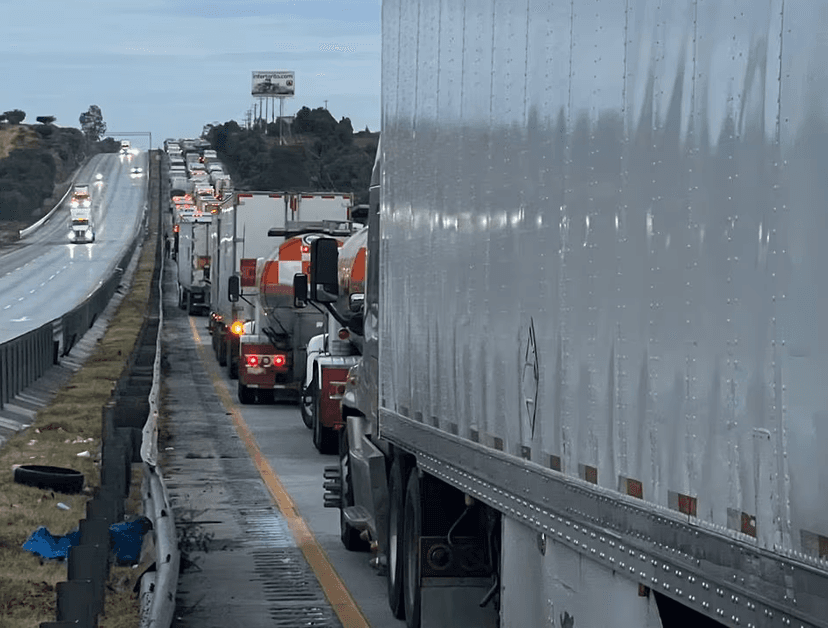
(55, 478)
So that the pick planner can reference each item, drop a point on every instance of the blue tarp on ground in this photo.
(125, 541)
(44, 543)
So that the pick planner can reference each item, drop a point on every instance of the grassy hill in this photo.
(317, 153)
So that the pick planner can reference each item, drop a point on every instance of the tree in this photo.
(15, 116)
(345, 131)
(92, 123)
(319, 121)
(46, 119)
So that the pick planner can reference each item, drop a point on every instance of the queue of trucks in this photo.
(572, 368)
(255, 241)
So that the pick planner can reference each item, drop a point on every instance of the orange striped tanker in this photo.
(272, 354)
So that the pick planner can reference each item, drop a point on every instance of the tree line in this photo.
(319, 154)
(44, 155)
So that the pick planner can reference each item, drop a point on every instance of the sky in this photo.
(169, 67)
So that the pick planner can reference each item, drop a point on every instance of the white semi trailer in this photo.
(594, 385)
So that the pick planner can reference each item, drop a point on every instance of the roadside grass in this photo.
(69, 426)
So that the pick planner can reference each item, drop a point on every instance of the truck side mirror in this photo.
(300, 290)
(324, 287)
(233, 288)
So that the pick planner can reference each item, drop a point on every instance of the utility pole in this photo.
(326, 105)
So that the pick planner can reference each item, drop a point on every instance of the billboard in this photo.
(273, 83)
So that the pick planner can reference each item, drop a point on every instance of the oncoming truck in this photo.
(593, 384)
(80, 212)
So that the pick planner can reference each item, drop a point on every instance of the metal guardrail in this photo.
(158, 591)
(32, 228)
(24, 359)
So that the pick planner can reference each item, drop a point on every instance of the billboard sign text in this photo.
(276, 83)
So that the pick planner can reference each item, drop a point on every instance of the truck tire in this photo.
(395, 531)
(411, 555)
(58, 479)
(324, 438)
(221, 345)
(348, 534)
(232, 364)
(306, 402)
(246, 395)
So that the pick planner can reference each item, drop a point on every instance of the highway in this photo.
(45, 275)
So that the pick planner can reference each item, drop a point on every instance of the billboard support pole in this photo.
(281, 118)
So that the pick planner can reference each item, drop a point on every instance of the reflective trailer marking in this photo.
(334, 588)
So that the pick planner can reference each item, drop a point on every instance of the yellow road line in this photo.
(335, 590)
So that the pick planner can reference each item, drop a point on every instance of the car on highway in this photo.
(136, 171)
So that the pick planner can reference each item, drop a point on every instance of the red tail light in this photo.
(344, 334)
(279, 360)
(253, 360)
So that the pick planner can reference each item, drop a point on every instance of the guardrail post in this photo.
(75, 601)
(4, 376)
(101, 507)
(88, 563)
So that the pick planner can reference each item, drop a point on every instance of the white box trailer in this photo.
(193, 259)
(318, 206)
(602, 370)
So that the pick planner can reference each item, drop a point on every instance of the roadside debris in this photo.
(125, 539)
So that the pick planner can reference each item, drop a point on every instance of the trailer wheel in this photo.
(394, 551)
(306, 402)
(232, 364)
(246, 395)
(222, 347)
(347, 533)
(411, 557)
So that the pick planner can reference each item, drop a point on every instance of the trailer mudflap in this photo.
(333, 387)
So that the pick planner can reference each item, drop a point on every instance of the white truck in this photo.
(238, 237)
(594, 380)
(193, 259)
(319, 206)
(80, 214)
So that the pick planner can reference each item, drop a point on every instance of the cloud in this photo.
(337, 47)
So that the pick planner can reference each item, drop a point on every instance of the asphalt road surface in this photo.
(44, 275)
(247, 558)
